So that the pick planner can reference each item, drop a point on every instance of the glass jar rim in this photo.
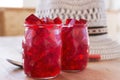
(54, 24)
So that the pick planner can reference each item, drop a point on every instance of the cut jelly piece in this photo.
(82, 21)
(32, 20)
(57, 20)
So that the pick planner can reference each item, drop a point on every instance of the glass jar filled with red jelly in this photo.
(42, 48)
(75, 47)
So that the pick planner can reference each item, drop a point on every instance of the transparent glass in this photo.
(75, 47)
(42, 48)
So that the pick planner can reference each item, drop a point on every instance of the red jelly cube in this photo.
(32, 19)
(57, 20)
(68, 21)
(82, 21)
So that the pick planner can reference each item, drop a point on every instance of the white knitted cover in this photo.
(105, 46)
(93, 11)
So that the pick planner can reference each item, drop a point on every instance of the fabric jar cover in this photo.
(94, 12)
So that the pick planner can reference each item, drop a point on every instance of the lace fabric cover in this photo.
(105, 46)
(92, 10)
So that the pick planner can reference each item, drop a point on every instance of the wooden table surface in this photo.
(103, 70)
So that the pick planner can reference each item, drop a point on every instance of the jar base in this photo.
(71, 71)
(44, 78)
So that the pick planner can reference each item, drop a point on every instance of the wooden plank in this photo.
(2, 23)
(13, 20)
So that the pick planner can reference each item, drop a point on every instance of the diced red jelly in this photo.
(57, 20)
(43, 20)
(82, 21)
(74, 48)
(68, 21)
(42, 53)
(29, 36)
(33, 20)
(42, 46)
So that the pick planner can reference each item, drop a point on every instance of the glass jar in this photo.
(42, 48)
(75, 47)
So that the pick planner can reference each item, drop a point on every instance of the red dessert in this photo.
(74, 55)
(57, 20)
(42, 48)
